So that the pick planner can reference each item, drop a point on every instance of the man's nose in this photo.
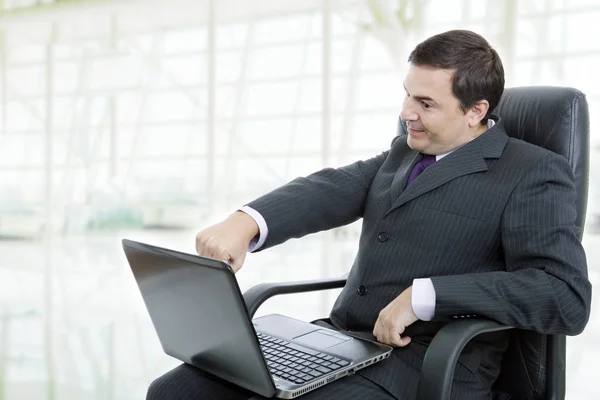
(408, 115)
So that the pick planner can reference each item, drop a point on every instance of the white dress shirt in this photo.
(423, 292)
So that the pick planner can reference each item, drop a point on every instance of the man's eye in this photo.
(425, 105)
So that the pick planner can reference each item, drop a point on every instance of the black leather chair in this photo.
(534, 366)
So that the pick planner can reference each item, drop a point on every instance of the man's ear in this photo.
(477, 112)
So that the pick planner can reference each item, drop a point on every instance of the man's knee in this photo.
(173, 385)
(154, 389)
(159, 388)
(187, 382)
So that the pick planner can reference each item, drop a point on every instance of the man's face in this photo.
(435, 122)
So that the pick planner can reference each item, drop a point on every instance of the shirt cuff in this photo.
(258, 240)
(423, 299)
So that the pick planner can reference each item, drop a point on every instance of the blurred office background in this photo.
(152, 119)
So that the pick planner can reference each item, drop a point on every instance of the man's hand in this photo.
(394, 318)
(228, 240)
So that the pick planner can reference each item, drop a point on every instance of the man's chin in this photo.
(416, 144)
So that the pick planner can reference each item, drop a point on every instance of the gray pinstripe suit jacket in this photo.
(493, 225)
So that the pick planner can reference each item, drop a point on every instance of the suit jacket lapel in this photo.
(401, 176)
(466, 160)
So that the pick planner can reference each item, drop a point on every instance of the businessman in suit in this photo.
(459, 221)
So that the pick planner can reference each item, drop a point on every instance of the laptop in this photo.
(200, 317)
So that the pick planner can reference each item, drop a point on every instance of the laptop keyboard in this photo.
(295, 363)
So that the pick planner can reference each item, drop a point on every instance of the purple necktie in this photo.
(419, 167)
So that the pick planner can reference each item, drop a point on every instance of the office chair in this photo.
(533, 367)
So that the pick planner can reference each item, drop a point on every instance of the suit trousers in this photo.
(189, 383)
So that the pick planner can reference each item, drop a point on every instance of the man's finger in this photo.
(215, 254)
(377, 329)
(223, 255)
(199, 245)
(403, 341)
(204, 247)
(391, 336)
(399, 341)
(396, 337)
(236, 262)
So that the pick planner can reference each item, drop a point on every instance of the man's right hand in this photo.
(228, 240)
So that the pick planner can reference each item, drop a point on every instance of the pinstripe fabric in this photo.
(189, 383)
(493, 225)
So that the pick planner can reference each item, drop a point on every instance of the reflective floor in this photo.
(73, 322)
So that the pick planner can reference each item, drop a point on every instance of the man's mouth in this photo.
(414, 131)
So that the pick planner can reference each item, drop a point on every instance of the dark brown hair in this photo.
(478, 70)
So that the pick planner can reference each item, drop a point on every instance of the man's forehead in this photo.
(430, 73)
(431, 81)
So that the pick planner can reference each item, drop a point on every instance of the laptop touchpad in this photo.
(322, 339)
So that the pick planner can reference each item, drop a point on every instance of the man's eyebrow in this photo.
(427, 98)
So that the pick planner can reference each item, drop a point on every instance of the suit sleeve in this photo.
(326, 199)
(545, 286)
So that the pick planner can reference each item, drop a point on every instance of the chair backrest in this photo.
(556, 118)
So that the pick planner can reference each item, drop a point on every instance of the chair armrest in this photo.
(258, 294)
(441, 357)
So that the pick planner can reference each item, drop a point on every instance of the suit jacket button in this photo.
(383, 237)
(362, 290)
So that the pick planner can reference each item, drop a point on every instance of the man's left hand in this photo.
(394, 319)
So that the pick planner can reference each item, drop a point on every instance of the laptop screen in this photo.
(199, 315)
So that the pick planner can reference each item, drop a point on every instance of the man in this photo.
(459, 220)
